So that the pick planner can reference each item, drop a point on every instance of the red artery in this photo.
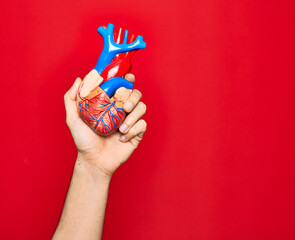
(121, 64)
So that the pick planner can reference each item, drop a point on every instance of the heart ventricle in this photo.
(103, 114)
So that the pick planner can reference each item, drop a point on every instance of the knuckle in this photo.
(143, 106)
(66, 96)
(138, 128)
(130, 134)
(122, 90)
(129, 75)
(143, 123)
(137, 93)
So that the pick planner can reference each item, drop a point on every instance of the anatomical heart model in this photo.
(98, 108)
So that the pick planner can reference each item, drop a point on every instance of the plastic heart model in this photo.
(98, 108)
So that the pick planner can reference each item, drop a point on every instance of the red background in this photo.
(217, 161)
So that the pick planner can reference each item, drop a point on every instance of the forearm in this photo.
(84, 209)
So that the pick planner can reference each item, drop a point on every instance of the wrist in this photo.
(84, 166)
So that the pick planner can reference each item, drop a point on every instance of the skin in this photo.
(97, 159)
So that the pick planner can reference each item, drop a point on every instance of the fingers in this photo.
(137, 130)
(130, 77)
(70, 101)
(132, 101)
(133, 126)
(133, 117)
(122, 94)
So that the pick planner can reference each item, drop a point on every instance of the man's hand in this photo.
(98, 158)
(106, 154)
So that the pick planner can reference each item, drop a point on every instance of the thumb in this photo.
(91, 81)
(70, 101)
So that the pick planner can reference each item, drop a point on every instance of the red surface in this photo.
(217, 161)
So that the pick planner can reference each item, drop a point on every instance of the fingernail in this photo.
(123, 127)
(122, 138)
(128, 106)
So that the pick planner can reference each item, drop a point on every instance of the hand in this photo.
(106, 154)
